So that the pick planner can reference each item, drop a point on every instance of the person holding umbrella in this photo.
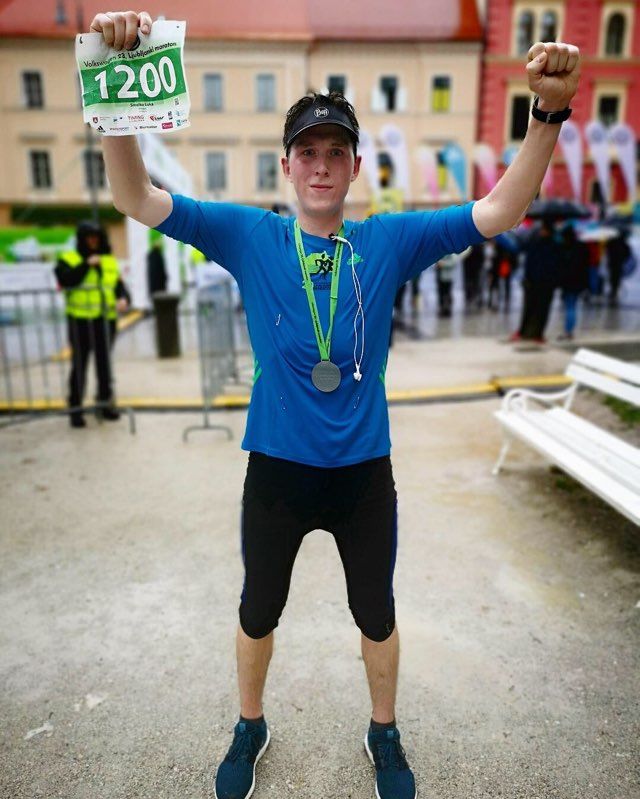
(574, 277)
(317, 426)
(541, 273)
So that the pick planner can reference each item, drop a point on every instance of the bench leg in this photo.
(503, 454)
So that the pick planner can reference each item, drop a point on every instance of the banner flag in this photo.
(597, 139)
(509, 153)
(429, 164)
(367, 150)
(623, 138)
(456, 163)
(572, 152)
(484, 158)
(547, 181)
(394, 143)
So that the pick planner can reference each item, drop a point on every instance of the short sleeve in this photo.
(420, 238)
(218, 230)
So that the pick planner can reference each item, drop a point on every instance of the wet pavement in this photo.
(518, 597)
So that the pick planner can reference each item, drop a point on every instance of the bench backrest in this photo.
(608, 375)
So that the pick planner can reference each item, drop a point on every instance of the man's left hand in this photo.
(122, 306)
(553, 71)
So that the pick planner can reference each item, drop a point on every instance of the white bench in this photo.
(604, 463)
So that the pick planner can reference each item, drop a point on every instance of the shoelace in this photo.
(245, 745)
(391, 755)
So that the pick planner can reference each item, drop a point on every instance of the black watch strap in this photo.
(549, 117)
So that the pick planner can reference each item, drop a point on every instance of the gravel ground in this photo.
(517, 601)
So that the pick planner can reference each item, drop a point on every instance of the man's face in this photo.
(92, 242)
(321, 165)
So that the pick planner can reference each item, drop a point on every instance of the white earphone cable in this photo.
(359, 312)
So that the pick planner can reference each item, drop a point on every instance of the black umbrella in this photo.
(622, 222)
(556, 208)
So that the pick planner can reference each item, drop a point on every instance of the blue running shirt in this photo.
(288, 417)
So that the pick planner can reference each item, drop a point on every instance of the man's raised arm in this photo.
(133, 192)
(553, 71)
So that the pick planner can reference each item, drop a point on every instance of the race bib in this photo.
(137, 90)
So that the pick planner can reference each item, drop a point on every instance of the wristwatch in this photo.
(549, 117)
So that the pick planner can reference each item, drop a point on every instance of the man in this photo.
(317, 428)
(94, 294)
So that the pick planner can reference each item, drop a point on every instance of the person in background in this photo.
(618, 251)
(594, 277)
(574, 277)
(472, 267)
(503, 263)
(445, 269)
(540, 281)
(156, 270)
(415, 296)
(94, 294)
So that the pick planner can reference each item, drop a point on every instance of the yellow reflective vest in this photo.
(96, 295)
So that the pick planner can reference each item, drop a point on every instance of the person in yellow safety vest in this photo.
(95, 293)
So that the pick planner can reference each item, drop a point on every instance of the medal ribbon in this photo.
(324, 344)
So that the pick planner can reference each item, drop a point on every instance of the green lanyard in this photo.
(324, 344)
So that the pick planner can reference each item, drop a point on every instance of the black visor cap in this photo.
(321, 113)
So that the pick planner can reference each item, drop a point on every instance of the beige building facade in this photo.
(240, 91)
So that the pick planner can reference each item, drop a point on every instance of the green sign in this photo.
(157, 77)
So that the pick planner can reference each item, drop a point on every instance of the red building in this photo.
(608, 35)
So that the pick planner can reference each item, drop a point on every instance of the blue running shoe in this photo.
(236, 777)
(394, 778)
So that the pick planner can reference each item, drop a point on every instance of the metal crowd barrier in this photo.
(216, 347)
(242, 356)
(36, 358)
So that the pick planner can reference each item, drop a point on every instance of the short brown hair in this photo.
(335, 98)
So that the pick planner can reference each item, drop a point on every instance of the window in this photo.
(94, 175)
(608, 109)
(614, 44)
(519, 116)
(441, 93)
(265, 92)
(216, 172)
(32, 89)
(549, 26)
(337, 83)
(525, 31)
(389, 91)
(40, 169)
(213, 92)
(267, 171)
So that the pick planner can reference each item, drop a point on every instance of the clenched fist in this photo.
(120, 28)
(553, 71)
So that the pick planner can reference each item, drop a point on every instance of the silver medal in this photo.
(326, 376)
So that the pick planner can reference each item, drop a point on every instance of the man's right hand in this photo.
(133, 193)
(120, 28)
